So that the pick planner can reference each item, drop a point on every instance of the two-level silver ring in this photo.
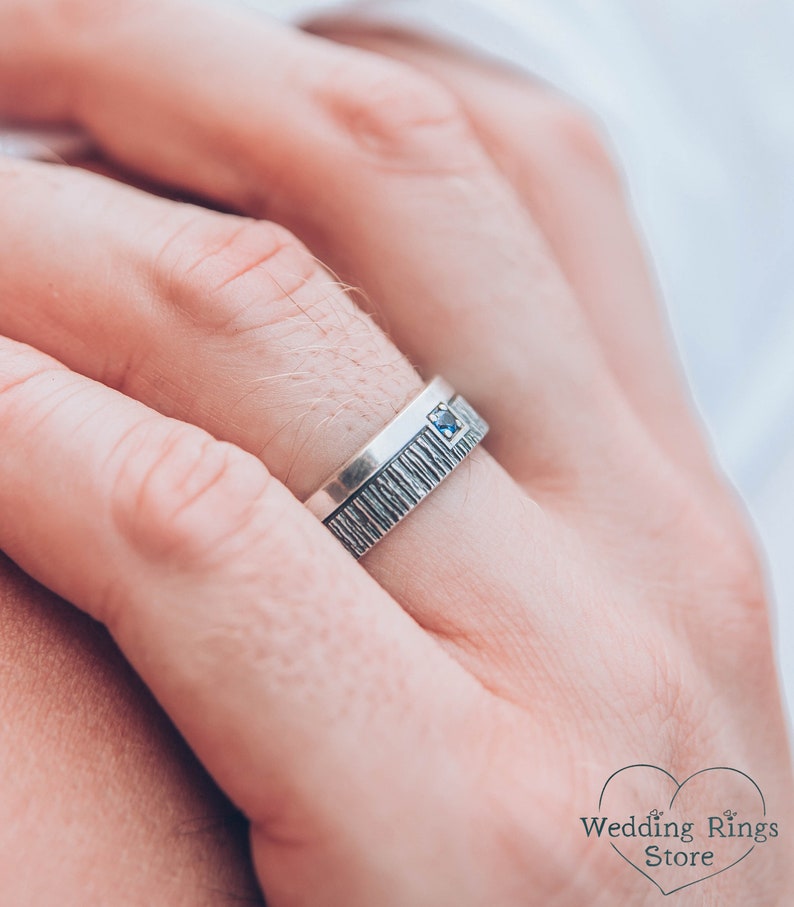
(402, 464)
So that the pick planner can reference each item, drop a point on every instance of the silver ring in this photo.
(402, 464)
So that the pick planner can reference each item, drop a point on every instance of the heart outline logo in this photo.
(678, 788)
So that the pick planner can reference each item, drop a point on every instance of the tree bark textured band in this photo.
(385, 481)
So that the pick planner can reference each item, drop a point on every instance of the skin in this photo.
(173, 378)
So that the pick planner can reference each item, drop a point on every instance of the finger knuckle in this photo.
(397, 116)
(737, 607)
(229, 277)
(730, 571)
(182, 498)
(702, 543)
(713, 591)
(743, 572)
(30, 385)
(233, 278)
(574, 139)
(221, 272)
(19, 366)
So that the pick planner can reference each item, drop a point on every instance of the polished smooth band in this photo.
(385, 481)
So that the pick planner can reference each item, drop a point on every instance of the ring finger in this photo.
(232, 325)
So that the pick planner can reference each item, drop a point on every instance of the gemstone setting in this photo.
(444, 421)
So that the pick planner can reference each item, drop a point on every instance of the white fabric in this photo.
(696, 99)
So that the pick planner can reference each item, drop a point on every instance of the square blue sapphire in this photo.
(445, 422)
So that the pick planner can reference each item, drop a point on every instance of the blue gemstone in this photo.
(444, 422)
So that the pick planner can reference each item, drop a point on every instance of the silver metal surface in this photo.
(385, 481)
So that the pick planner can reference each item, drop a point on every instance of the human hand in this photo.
(389, 743)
